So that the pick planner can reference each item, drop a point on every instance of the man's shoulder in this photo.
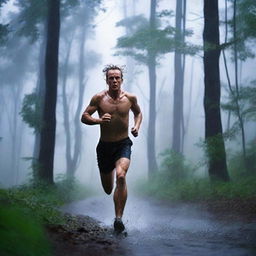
(97, 97)
(130, 96)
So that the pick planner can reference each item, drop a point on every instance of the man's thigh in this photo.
(122, 165)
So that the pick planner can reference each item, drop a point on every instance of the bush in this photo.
(21, 234)
(174, 166)
(27, 209)
(175, 181)
(197, 189)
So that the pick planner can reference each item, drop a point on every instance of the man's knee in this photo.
(121, 179)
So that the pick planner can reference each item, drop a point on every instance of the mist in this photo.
(164, 56)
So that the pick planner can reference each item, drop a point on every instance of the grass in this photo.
(27, 209)
(196, 189)
(21, 234)
(44, 200)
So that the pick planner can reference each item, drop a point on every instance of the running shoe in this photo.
(119, 225)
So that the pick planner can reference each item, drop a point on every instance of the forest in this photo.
(191, 65)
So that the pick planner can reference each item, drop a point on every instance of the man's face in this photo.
(114, 79)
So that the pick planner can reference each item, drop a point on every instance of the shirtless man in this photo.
(114, 147)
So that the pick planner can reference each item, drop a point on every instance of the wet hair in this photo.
(113, 67)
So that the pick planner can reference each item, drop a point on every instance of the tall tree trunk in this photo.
(47, 145)
(213, 126)
(235, 93)
(152, 164)
(184, 16)
(66, 108)
(240, 118)
(178, 83)
(40, 92)
(82, 83)
(225, 60)
(73, 156)
(16, 133)
(130, 63)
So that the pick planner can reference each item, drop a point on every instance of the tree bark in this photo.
(178, 83)
(82, 82)
(240, 118)
(152, 163)
(40, 92)
(46, 152)
(66, 108)
(213, 126)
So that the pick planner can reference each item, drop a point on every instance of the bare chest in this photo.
(119, 107)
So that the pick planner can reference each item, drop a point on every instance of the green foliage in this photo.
(214, 148)
(174, 166)
(43, 200)
(144, 41)
(236, 162)
(246, 18)
(196, 189)
(3, 2)
(246, 98)
(32, 14)
(3, 33)
(3, 27)
(21, 234)
(165, 13)
(26, 209)
(31, 111)
(176, 180)
(245, 28)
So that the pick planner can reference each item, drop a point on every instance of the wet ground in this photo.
(158, 228)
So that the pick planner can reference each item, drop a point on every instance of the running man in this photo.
(114, 147)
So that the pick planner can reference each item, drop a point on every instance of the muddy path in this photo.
(158, 228)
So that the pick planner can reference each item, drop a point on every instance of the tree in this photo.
(213, 127)
(12, 85)
(86, 60)
(152, 164)
(145, 45)
(179, 65)
(130, 63)
(242, 26)
(46, 153)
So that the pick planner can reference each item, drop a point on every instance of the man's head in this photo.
(114, 76)
(113, 67)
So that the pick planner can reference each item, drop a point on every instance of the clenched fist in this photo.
(135, 131)
(106, 118)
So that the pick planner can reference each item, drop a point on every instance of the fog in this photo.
(19, 76)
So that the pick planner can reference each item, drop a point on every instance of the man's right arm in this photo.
(92, 108)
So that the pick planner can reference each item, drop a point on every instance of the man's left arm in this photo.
(137, 116)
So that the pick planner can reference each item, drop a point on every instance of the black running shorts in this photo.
(109, 152)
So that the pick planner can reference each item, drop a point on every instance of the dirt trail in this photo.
(156, 228)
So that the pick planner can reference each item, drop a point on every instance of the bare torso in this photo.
(117, 128)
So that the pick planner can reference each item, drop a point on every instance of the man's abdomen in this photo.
(115, 130)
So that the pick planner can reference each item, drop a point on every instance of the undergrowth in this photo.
(176, 180)
(25, 212)
(197, 189)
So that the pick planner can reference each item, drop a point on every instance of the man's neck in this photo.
(114, 94)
